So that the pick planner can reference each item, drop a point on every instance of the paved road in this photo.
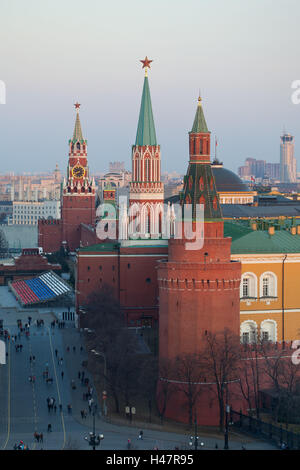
(23, 405)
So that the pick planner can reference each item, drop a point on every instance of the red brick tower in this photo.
(78, 201)
(198, 289)
(146, 188)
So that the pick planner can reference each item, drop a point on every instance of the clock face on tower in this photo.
(78, 172)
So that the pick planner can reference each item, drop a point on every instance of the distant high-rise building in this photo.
(273, 171)
(288, 165)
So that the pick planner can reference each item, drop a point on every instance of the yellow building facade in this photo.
(270, 284)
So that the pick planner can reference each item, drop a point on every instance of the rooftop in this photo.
(248, 241)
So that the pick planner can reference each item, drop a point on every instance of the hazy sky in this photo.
(242, 54)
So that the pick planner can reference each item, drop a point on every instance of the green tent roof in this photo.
(146, 130)
(199, 121)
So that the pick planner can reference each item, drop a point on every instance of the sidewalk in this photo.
(73, 361)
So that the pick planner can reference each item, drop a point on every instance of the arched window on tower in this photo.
(148, 222)
(78, 145)
(201, 147)
(147, 169)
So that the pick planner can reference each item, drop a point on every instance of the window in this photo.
(248, 286)
(265, 336)
(268, 285)
(248, 332)
(147, 170)
(148, 280)
(246, 338)
(245, 287)
(268, 330)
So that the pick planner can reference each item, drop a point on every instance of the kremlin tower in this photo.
(146, 188)
(198, 288)
(78, 201)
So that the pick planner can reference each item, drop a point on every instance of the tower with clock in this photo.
(78, 199)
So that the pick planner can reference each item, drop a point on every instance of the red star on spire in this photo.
(77, 105)
(146, 62)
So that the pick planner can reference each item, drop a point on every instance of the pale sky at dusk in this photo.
(242, 54)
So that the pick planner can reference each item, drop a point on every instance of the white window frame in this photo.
(252, 285)
(272, 287)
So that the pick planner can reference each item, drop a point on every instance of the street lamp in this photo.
(130, 410)
(195, 439)
(92, 439)
(226, 427)
(104, 393)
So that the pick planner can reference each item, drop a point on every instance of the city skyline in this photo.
(48, 63)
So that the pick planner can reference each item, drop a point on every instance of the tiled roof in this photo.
(107, 246)
(199, 121)
(260, 242)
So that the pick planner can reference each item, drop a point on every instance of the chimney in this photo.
(271, 230)
(254, 226)
(298, 229)
(293, 230)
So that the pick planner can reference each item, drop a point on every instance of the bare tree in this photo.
(250, 369)
(188, 378)
(147, 382)
(107, 334)
(284, 376)
(3, 244)
(220, 359)
(166, 387)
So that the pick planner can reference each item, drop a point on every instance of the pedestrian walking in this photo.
(41, 437)
(141, 435)
(49, 428)
(79, 374)
(56, 352)
(69, 409)
(62, 374)
(74, 348)
(60, 407)
(55, 408)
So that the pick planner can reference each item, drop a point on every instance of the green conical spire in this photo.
(146, 130)
(199, 121)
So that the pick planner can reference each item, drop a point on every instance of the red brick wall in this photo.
(132, 275)
(50, 235)
(76, 210)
